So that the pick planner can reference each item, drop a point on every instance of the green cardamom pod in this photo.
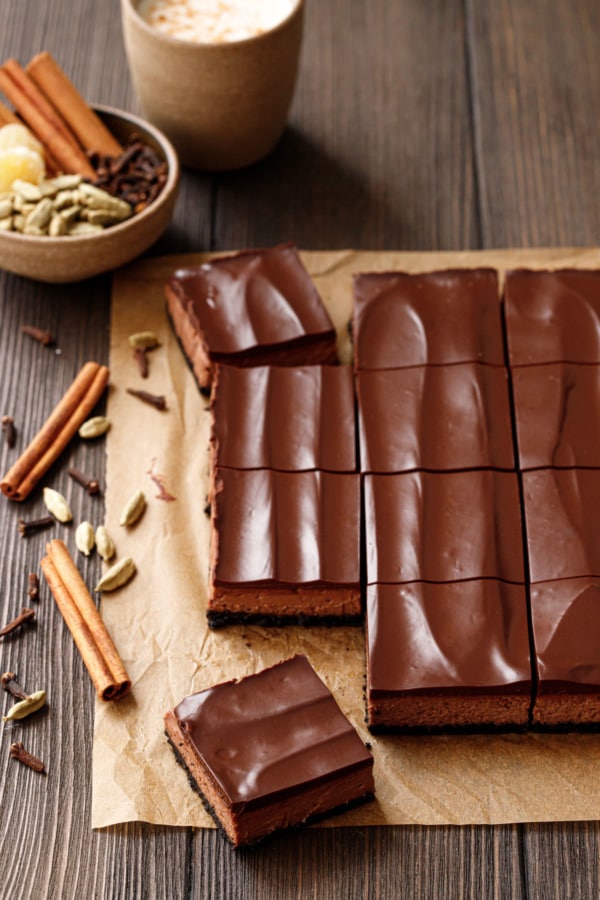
(95, 427)
(84, 538)
(146, 339)
(57, 505)
(104, 543)
(27, 706)
(117, 575)
(133, 510)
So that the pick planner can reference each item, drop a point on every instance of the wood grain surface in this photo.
(432, 124)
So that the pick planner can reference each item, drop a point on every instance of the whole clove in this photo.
(92, 485)
(26, 615)
(140, 354)
(17, 751)
(158, 401)
(33, 590)
(38, 334)
(118, 163)
(9, 683)
(10, 432)
(30, 527)
(137, 175)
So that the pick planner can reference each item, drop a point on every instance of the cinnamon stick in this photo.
(83, 620)
(62, 94)
(6, 116)
(72, 410)
(49, 128)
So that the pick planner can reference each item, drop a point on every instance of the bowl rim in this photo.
(169, 186)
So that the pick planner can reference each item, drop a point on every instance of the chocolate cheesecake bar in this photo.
(561, 515)
(270, 751)
(289, 418)
(254, 308)
(285, 547)
(566, 633)
(434, 318)
(557, 415)
(440, 418)
(447, 656)
(552, 316)
(443, 526)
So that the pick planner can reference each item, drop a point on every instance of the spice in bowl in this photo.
(66, 174)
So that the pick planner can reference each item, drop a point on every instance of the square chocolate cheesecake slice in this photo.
(254, 308)
(557, 415)
(565, 618)
(440, 418)
(434, 318)
(285, 547)
(291, 418)
(443, 527)
(270, 751)
(448, 656)
(561, 517)
(552, 316)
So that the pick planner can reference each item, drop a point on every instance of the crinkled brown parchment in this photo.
(158, 620)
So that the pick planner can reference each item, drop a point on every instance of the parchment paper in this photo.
(158, 620)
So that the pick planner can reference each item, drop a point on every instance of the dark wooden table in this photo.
(417, 124)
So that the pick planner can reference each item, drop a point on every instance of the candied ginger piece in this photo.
(17, 135)
(20, 162)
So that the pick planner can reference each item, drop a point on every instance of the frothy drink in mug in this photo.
(214, 21)
(217, 76)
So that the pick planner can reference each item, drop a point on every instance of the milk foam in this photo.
(215, 21)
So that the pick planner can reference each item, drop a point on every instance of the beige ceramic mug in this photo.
(223, 105)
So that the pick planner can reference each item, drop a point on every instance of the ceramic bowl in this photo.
(222, 105)
(63, 259)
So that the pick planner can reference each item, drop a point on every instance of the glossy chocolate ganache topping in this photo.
(441, 418)
(252, 299)
(557, 415)
(271, 734)
(443, 526)
(289, 418)
(561, 514)
(552, 316)
(436, 318)
(289, 527)
(468, 636)
(566, 628)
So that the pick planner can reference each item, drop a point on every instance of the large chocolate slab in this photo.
(442, 527)
(444, 655)
(294, 418)
(435, 417)
(566, 632)
(285, 546)
(433, 318)
(557, 415)
(561, 515)
(256, 307)
(552, 316)
(273, 749)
